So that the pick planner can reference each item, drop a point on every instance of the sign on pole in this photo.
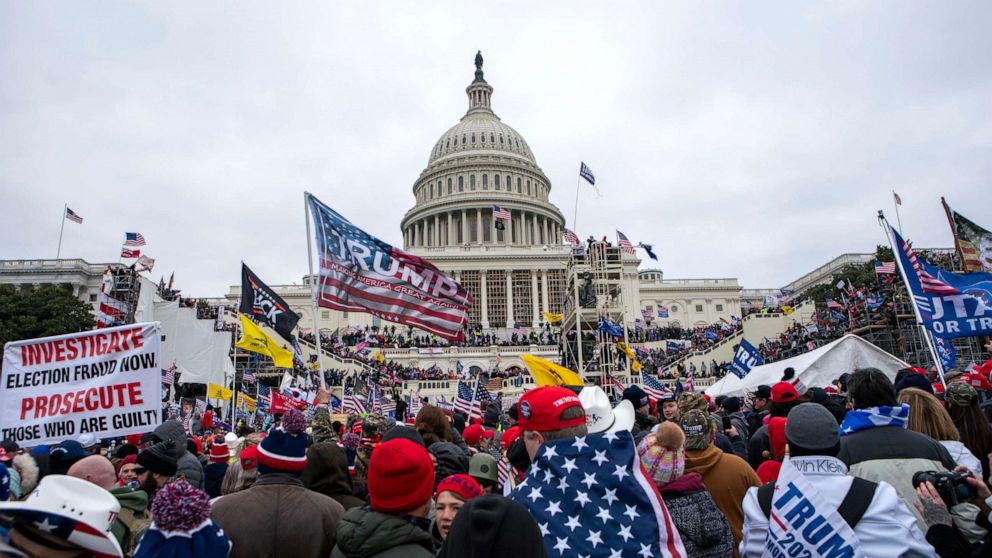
(106, 382)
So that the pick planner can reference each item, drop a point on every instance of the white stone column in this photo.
(464, 228)
(533, 297)
(545, 302)
(437, 230)
(492, 228)
(478, 224)
(413, 234)
(451, 228)
(508, 230)
(485, 299)
(509, 298)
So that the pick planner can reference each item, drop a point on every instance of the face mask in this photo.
(518, 455)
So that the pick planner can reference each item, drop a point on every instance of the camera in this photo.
(952, 487)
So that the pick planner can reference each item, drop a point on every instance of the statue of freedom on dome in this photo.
(478, 60)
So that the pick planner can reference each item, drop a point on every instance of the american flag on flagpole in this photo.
(263, 394)
(133, 239)
(572, 238)
(653, 387)
(831, 303)
(500, 213)
(495, 384)
(248, 377)
(618, 386)
(480, 395)
(352, 403)
(625, 244)
(464, 398)
(169, 375)
(885, 268)
(72, 216)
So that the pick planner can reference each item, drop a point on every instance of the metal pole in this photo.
(313, 293)
(898, 220)
(912, 299)
(575, 215)
(58, 254)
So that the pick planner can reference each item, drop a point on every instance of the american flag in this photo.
(690, 385)
(248, 377)
(111, 311)
(169, 375)
(463, 399)
(662, 311)
(133, 239)
(500, 213)
(128, 253)
(263, 395)
(597, 485)
(625, 244)
(896, 198)
(618, 386)
(387, 404)
(495, 384)
(352, 403)
(502, 470)
(928, 282)
(885, 267)
(388, 283)
(653, 387)
(414, 402)
(572, 238)
(586, 172)
(72, 216)
(831, 303)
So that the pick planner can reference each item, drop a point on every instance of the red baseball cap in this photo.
(975, 380)
(541, 409)
(476, 432)
(511, 434)
(784, 392)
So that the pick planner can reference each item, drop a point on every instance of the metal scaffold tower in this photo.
(593, 293)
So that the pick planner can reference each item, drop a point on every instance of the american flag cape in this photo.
(360, 273)
(590, 497)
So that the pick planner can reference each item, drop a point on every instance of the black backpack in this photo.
(852, 508)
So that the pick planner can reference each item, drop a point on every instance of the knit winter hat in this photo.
(181, 526)
(400, 476)
(914, 380)
(219, 452)
(284, 449)
(811, 429)
(637, 396)
(663, 453)
(160, 459)
(463, 485)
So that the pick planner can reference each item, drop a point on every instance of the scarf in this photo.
(871, 417)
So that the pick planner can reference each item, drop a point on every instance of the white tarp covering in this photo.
(144, 310)
(201, 354)
(817, 368)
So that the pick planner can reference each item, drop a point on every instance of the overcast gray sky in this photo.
(743, 140)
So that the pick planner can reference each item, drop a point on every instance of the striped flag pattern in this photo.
(572, 238)
(352, 403)
(169, 375)
(654, 388)
(388, 282)
(73, 216)
(464, 399)
(885, 268)
(500, 213)
(133, 239)
(928, 282)
(625, 244)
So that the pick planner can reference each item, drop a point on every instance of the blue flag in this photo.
(874, 302)
(711, 335)
(650, 250)
(607, 326)
(673, 346)
(586, 172)
(950, 304)
(837, 316)
(746, 358)
(946, 352)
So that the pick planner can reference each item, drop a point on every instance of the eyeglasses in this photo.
(139, 470)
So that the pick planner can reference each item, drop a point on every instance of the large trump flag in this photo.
(360, 273)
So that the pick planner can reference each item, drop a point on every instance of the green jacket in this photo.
(133, 519)
(364, 533)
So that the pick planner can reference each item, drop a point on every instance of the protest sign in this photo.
(746, 358)
(106, 382)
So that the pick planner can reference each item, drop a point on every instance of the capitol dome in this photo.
(477, 167)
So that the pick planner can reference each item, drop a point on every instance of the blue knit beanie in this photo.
(182, 526)
(284, 448)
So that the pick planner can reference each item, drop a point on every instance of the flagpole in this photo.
(912, 299)
(313, 294)
(58, 254)
(896, 205)
(954, 234)
(575, 215)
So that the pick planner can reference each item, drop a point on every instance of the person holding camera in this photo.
(935, 498)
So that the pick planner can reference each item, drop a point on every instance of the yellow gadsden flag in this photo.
(553, 318)
(215, 391)
(245, 402)
(254, 340)
(626, 350)
(547, 373)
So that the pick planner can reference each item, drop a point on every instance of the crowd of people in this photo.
(879, 463)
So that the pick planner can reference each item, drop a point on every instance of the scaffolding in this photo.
(124, 287)
(593, 292)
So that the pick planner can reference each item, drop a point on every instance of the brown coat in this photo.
(278, 517)
(727, 478)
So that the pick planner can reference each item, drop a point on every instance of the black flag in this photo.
(261, 303)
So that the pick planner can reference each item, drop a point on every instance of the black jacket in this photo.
(364, 533)
(326, 472)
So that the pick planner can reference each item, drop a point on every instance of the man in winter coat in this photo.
(132, 521)
(725, 476)
(189, 465)
(886, 528)
(759, 409)
(277, 516)
(731, 407)
(326, 472)
(642, 406)
(876, 443)
(395, 525)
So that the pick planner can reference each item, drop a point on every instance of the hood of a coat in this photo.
(363, 533)
(689, 482)
(326, 470)
(702, 461)
(135, 500)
